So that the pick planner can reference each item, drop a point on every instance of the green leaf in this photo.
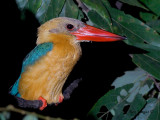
(98, 21)
(5, 115)
(140, 35)
(135, 107)
(109, 100)
(148, 16)
(43, 9)
(155, 24)
(142, 84)
(80, 15)
(148, 63)
(135, 30)
(130, 77)
(30, 117)
(153, 5)
(128, 92)
(115, 103)
(33, 5)
(22, 4)
(152, 51)
(70, 9)
(49, 9)
(2, 117)
(98, 6)
(149, 111)
(155, 114)
(134, 3)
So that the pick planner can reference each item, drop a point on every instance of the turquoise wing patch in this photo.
(38, 52)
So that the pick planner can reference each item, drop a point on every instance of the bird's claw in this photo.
(43, 101)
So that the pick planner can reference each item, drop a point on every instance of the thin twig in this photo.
(81, 5)
(155, 82)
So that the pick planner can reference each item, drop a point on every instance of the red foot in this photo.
(44, 103)
(60, 99)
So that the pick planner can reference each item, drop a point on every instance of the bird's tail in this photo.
(13, 90)
(68, 91)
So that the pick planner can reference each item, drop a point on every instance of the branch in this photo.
(23, 112)
(155, 82)
(81, 5)
(29, 103)
(38, 103)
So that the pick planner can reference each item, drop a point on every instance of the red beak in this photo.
(94, 34)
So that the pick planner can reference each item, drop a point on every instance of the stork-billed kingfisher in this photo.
(46, 68)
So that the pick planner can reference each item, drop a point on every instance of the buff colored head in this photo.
(64, 29)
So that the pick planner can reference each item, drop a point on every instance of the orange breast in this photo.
(47, 76)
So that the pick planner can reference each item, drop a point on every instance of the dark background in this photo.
(98, 67)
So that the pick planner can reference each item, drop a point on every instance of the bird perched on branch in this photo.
(46, 68)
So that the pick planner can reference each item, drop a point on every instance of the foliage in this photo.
(128, 93)
(134, 95)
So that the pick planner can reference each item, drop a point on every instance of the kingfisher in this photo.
(46, 68)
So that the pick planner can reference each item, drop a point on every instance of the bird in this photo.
(46, 68)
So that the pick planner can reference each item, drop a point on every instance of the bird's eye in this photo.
(70, 27)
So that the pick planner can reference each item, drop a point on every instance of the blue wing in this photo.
(30, 59)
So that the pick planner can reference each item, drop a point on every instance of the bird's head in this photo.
(65, 29)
